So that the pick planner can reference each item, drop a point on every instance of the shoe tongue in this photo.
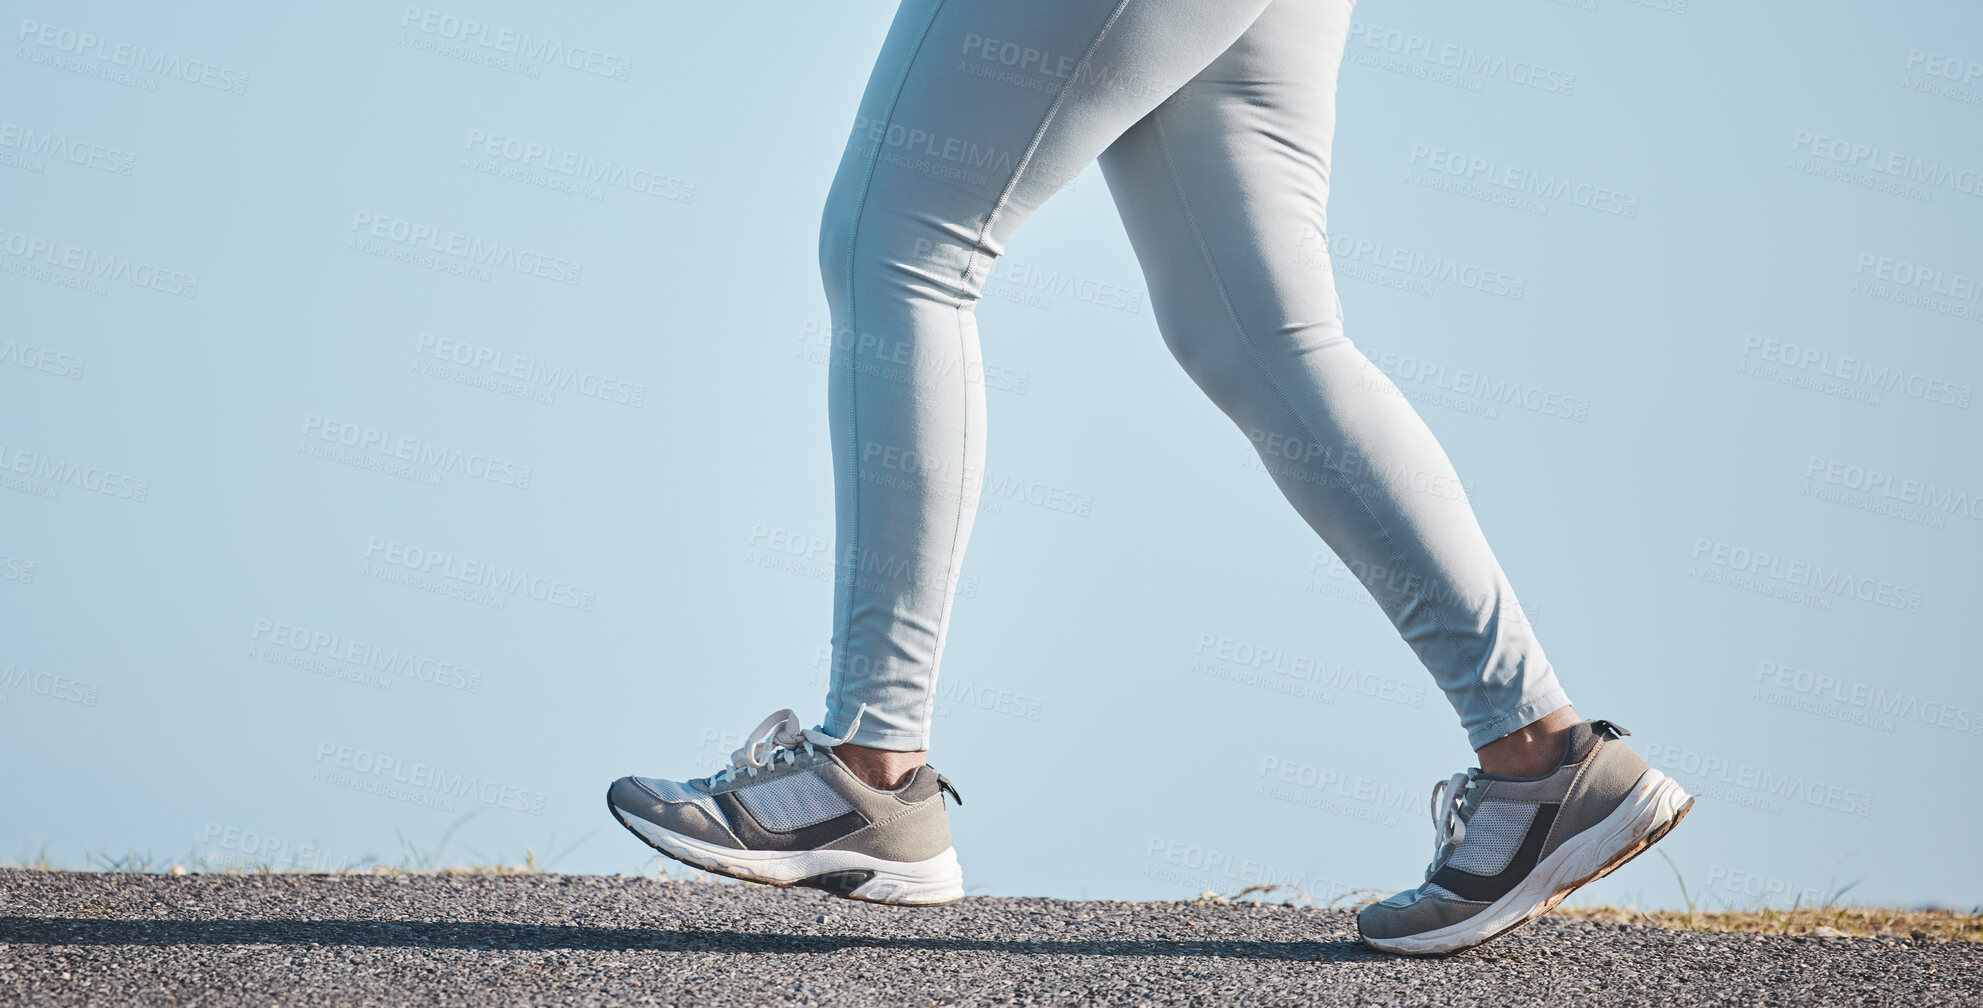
(780, 760)
(1471, 801)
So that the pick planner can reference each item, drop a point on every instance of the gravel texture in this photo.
(320, 940)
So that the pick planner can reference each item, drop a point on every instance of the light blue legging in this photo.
(1212, 120)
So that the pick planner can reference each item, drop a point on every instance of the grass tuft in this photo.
(1827, 921)
(1824, 922)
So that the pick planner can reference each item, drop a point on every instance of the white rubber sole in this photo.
(930, 882)
(1653, 806)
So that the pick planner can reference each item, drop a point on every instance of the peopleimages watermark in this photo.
(1414, 270)
(778, 548)
(52, 685)
(553, 167)
(1315, 462)
(918, 470)
(1038, 69)
(1033, 285)
(1840, 698)
(57, 473)
(1892, 167)
(1359, 582)
(1468, 382)
(1231, 658)
(448, 251)
(485, 366)
(1934, 280)
(1512, 184)
(258, 848)
(526, 51)
(1197, 866)
(951, 693)
(1800, 581)
(25, 147)
(343, 657)
(932, 151)
(1761, 890)
(1329, 790)
(1951, 68)
(46, 360)
(1420, 56)
(1819, 165)
(1929, 288)
(872, 353)
(475, 580)
(90, 269)
(1756, 787)
(1879, 492)
(17, 569)
(1937, 73)
(391, 777)
(122, 62)
(1844, 375)
(375, 446)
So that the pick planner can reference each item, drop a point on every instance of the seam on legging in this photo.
(1253, 354)
(1039, 133)
(835, 677)
(971, 264)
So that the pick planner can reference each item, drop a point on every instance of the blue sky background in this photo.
(1768, 212)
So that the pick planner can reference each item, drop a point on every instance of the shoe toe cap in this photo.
(1409, 913)
(628, 795)
(670, 806)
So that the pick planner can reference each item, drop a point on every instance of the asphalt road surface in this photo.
(69, 938)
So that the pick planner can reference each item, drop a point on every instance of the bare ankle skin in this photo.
(1531, 750)
(884, 769)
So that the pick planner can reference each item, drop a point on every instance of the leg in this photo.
(976, 113)
(1224, 200)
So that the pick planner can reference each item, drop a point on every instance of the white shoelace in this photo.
(1447, 827)
(780, 736)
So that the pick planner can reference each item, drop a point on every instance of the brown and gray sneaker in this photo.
(1508, 849)
(788, 812)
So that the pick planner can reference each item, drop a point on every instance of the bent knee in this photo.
(879, 239)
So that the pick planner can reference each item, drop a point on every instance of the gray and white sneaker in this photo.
(788, 812)
(1508, 849)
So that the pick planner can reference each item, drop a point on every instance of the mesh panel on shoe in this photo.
(792, 802)
(674, 791)
(1493, 832)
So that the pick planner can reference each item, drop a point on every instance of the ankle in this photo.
(1531, 750)
(882, 769)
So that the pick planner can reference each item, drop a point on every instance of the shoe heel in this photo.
(1658, 803)
(934, 882)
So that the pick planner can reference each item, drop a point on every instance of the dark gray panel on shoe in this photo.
(756, 837)
(1488, 888)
